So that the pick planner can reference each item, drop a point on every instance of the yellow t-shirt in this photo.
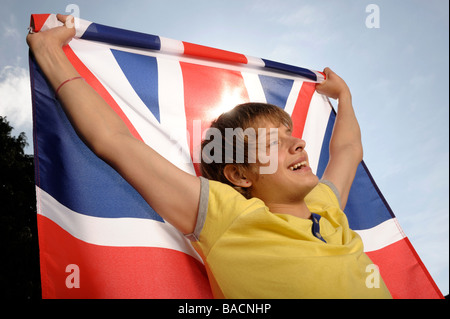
(250, 252)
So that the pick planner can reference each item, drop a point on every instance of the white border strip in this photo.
(174, 48)
(382, 235)
(117, 232)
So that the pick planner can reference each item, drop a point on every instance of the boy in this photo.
(277, 235)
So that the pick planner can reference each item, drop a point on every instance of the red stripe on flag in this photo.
(212, 53)
(208, 92)
(301, 108)
(97, 86)
(37, 21)
(115, 272)
(403, 272)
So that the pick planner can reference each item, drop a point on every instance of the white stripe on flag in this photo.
(293, 96)
(254, 88)
(118, 232)
(254, 61)
(173, 115)
(382, 235)
(315, 127)
(171, 46)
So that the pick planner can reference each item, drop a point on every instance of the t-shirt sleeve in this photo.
(219, 206)
(333, 189)
(202, 210)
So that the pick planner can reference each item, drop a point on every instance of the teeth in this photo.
(298, 165)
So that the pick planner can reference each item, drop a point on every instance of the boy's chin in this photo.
(310, 183)
(312, 180)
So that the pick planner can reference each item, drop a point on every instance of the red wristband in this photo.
(68, 80)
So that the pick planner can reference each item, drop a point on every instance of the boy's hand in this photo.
(56, 37)
(333, 87)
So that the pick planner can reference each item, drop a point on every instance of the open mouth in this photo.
(298, 166)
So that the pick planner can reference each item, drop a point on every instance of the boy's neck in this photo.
(295, 209)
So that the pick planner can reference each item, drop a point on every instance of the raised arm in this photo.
(346, 150)
(173, 193)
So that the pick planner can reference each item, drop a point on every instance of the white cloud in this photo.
(8, 24)
(11, 32)
(15, 100)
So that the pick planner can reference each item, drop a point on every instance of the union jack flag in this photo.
(99, 239)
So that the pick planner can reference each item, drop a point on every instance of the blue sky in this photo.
(398, 74)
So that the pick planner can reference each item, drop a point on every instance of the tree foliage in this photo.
(19, 276)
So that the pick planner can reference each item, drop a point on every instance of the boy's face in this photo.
(292, 178)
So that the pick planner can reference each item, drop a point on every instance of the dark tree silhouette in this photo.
(19, 267)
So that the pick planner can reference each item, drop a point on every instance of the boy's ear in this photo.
(235, 175)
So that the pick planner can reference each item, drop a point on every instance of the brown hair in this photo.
(242, 116)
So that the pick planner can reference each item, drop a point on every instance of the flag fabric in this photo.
(98, 238)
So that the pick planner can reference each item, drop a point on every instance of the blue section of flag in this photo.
(324, 153)
(291, 69)
(365, 206)
(142, 73)
(276, 90)
(70, 172)
(103, 33)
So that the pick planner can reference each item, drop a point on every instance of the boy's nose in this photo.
(297, 145)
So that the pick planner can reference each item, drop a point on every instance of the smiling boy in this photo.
(284, 234)
(277, 235)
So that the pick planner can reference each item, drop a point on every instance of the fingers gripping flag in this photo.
(98, 238)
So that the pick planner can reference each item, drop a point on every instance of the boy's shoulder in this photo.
(324, 194)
